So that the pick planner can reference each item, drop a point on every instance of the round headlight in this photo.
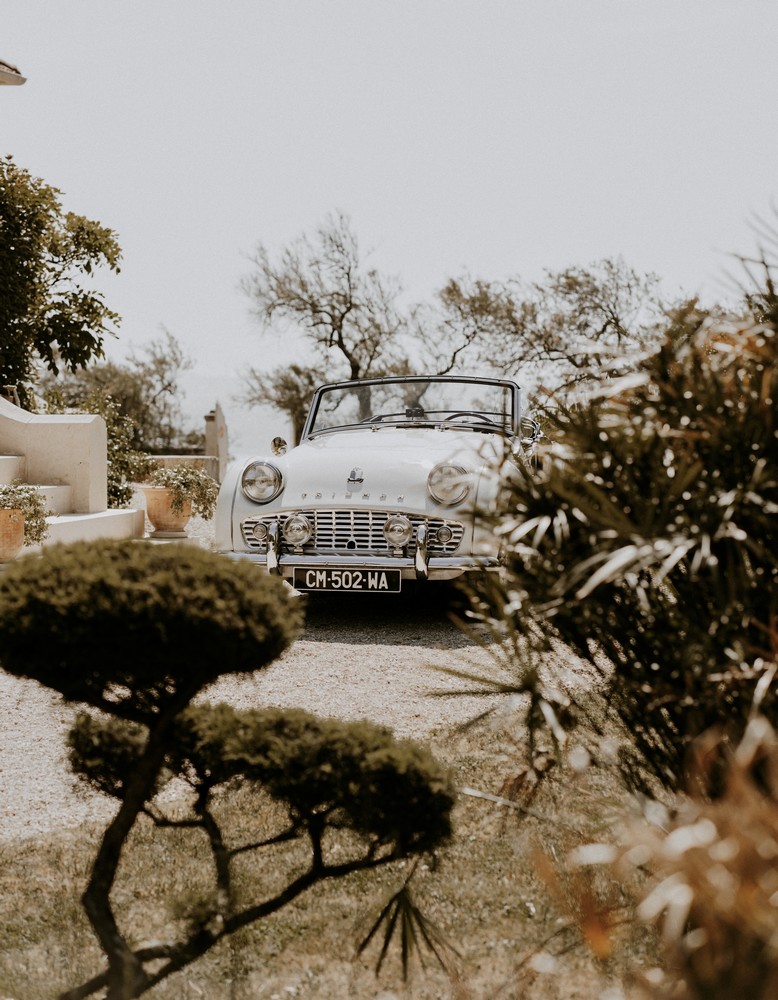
(261, 482)
(448, 484)
(297, 529)
(398, 530)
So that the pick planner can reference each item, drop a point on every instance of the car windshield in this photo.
(445, 403)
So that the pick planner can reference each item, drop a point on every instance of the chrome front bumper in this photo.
(419, 567)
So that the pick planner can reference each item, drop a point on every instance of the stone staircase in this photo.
(64, 524)
(65, 457)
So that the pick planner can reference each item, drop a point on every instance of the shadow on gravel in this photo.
(418, 616)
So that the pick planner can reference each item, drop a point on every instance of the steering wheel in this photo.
(469, 413)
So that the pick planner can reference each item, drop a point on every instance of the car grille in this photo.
(357, 531)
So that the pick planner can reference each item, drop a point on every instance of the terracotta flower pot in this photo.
(11, 534)
(166, 523)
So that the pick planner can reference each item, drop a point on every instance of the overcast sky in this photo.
(497, 138)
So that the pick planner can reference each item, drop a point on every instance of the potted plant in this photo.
(173, 494)
(23, 514)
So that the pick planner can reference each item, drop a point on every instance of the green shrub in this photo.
(355, 774)
(328, 773)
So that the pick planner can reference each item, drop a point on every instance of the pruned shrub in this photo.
(130, 627)
(355, 773)
(137, 631)
(329, 774)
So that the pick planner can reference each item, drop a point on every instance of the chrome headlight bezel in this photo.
(261, 482)
(448, 484)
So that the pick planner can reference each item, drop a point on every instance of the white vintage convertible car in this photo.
(385, 486)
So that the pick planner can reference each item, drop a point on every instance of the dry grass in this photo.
(489, 895)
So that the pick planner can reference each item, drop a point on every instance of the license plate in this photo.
(373, 581)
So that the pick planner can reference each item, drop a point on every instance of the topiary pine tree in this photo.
(137, 632)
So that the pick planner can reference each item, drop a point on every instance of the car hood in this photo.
(389, 459)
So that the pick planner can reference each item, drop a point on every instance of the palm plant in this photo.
(648, 542)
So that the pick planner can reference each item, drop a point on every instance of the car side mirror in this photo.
(278, 446)
(530, 432)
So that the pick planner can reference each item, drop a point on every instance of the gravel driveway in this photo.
(360, 657)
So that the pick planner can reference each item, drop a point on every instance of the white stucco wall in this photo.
(60, 449)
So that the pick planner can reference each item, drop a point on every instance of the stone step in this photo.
(88, 527)
(58, 498)
(12, 467)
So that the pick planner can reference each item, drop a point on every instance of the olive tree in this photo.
(290, 390)
(347, 311)
(136, 632)
(557, 333)
(352, 319)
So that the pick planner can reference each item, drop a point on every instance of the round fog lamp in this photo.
(444, 534)
(259, 531)
(398, 530)
(297, 529)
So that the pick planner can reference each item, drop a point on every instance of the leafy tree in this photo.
(136, 632)
(152, 383)
(648, 543)
(47, 316)
(140, 403)
(145, 390)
